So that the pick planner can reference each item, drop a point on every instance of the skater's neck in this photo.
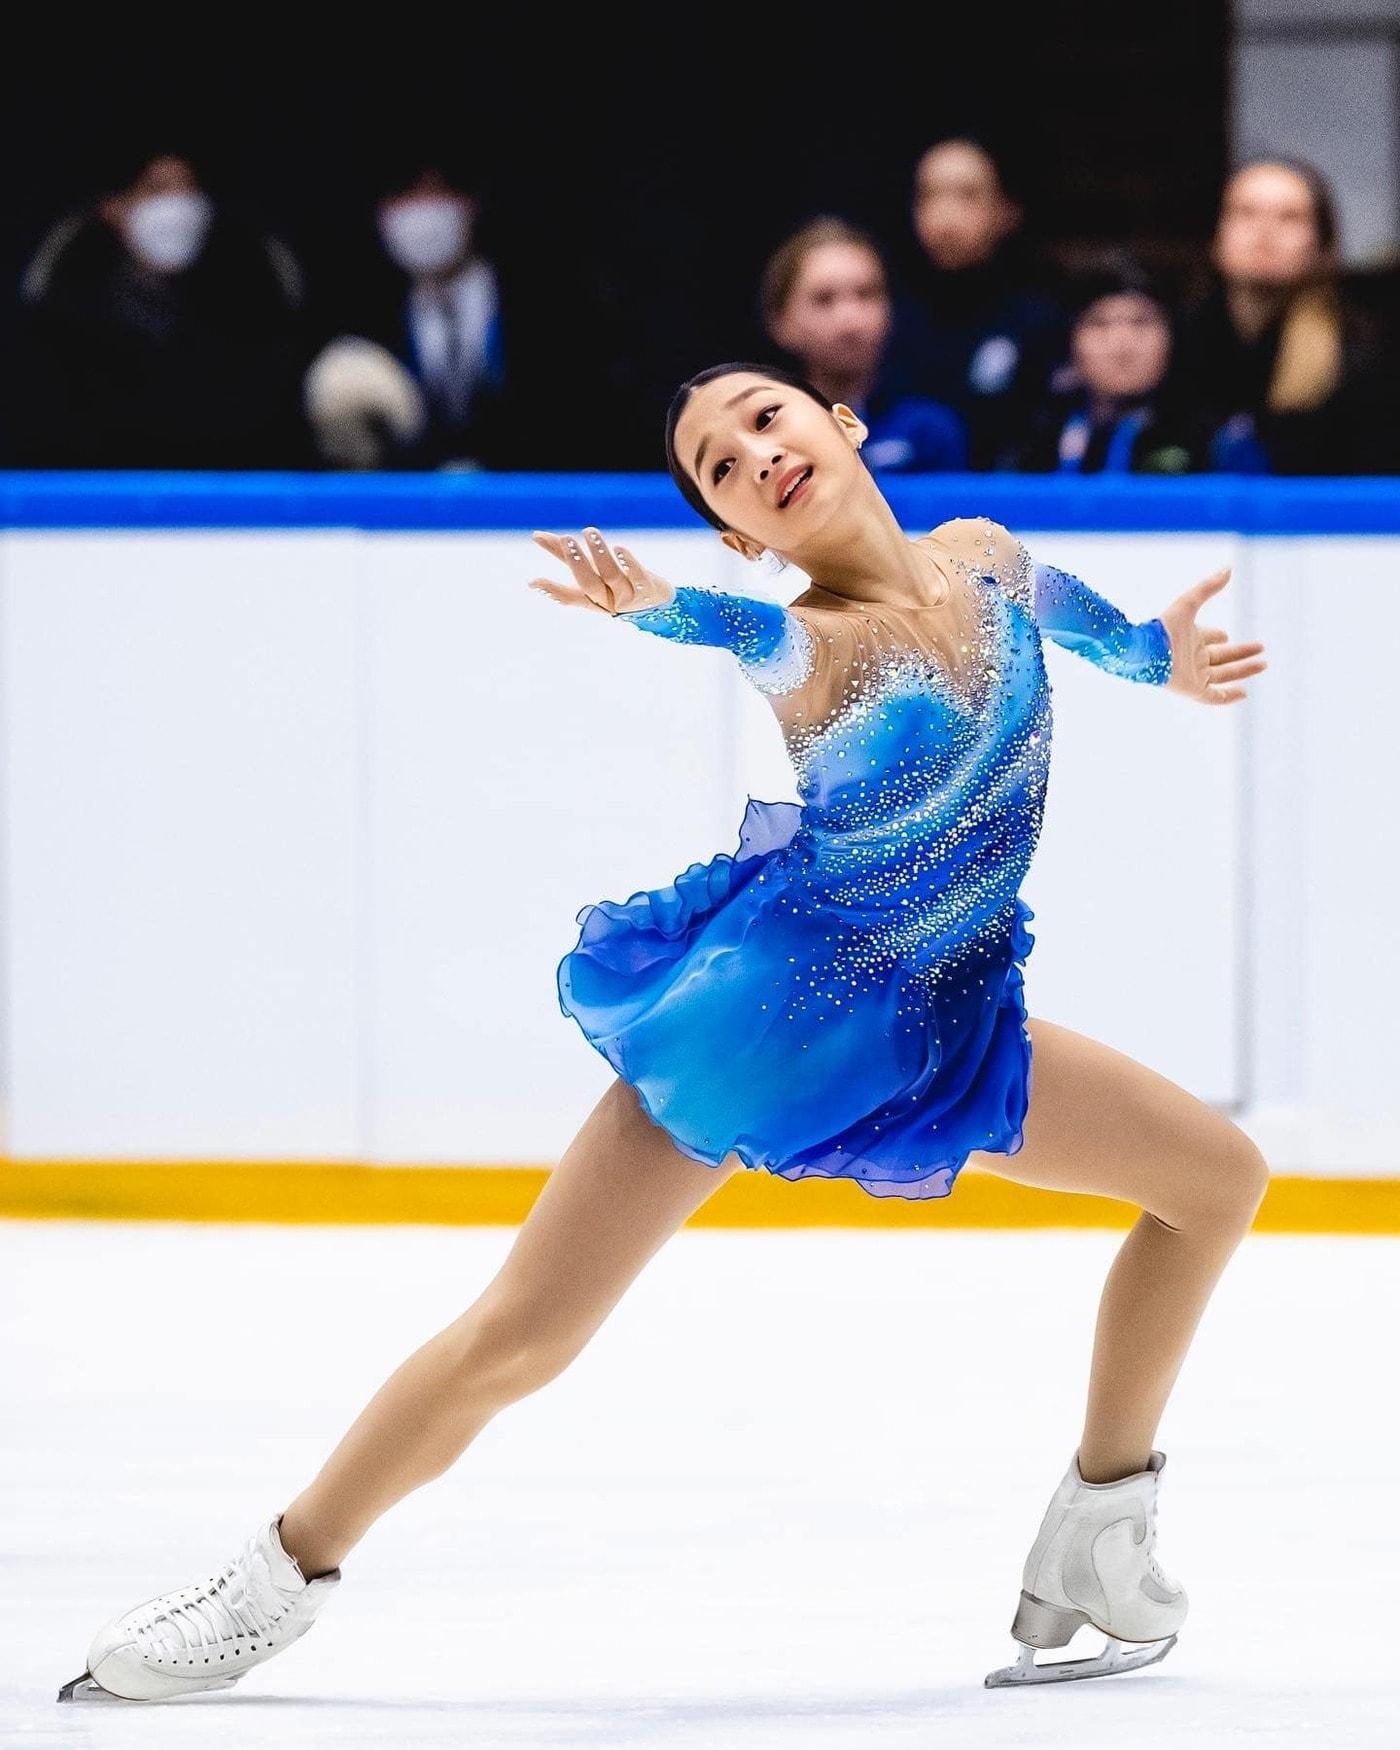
(865, 556)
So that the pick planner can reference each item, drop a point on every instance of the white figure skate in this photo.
(205, 1636)
(1093, 1563)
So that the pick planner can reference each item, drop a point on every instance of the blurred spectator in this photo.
(1117, 412)
(826, 304)
(418, 381)
(158, 331)
(1275, 352)
(972, 328)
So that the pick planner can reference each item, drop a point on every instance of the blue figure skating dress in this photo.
(842, 997)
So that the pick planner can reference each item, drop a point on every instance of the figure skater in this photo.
(840, 999)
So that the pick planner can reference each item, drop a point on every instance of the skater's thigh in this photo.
(620, 1191)
(1100, 1122)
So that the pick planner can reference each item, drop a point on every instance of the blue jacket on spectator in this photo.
(911, 435)
(981, 340)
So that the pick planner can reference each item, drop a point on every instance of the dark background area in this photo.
(636, 176)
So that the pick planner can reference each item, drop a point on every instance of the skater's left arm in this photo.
(1170, 650)
(1078, 618)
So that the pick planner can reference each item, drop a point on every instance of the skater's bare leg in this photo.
(621, 1190)
(1100, 1122)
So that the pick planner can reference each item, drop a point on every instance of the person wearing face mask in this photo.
(157, 330)
(1117, 413)
(973, 327)
(1276, 354)
(827, 305)
(432, 312)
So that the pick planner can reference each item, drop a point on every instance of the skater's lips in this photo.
(787, 479)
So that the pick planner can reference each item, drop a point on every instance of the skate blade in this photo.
(1117, 1656)
(86, 1688)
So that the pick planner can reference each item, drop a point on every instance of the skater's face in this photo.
(771, 463)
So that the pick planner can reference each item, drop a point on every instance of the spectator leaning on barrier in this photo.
(158, 330)
(419, 382)
(1117, 412)
(1274, 351)
(827, 305)
(973, 329)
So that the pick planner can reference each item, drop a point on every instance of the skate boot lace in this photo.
(1153, 1567)
(221, 1608)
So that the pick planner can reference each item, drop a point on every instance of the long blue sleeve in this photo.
(1079, 619)
(773, 646)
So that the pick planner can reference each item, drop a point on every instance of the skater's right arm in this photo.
(773, 645)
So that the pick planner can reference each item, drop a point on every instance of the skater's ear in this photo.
(851, 423)
(742, 545)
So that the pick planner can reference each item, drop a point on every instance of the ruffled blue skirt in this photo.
(682, 990)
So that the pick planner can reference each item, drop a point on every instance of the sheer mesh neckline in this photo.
(855, 601)
(978, 632)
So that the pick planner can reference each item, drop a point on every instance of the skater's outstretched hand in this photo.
(607, 580)
(1205, 665)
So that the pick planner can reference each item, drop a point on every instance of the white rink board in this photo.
(296, 826)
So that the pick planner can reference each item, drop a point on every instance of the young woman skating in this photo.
(842, 998)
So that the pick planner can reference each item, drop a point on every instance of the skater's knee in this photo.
(1227, 1184)
(1255, 1170)
(509, 1349)
(1243, 1178)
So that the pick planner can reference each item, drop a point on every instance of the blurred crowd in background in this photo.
(160, 327)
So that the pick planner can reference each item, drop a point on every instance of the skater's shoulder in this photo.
(814, 599)
(972, 536)
(820, 608)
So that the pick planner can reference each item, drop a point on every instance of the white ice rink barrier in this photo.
(302, 789)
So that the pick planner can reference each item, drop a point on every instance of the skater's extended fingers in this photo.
(556, 545)
(1234, 652)
(567, 593)
(634, 577)
(579, 559)
(1201, 592)
(603, 556)
(570, 550)
(550, 542)
(1237, 671)
(614, 573)
(602, 567)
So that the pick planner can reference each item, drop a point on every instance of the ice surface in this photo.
(781, 1500)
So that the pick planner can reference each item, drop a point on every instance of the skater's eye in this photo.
(762, 418)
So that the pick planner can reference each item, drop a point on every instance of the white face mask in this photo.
(167, 231)
(427, 235)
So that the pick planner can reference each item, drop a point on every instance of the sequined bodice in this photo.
(923, 792)
(904, 723)
(922, 787)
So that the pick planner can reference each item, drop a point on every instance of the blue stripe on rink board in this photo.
(484, 501)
